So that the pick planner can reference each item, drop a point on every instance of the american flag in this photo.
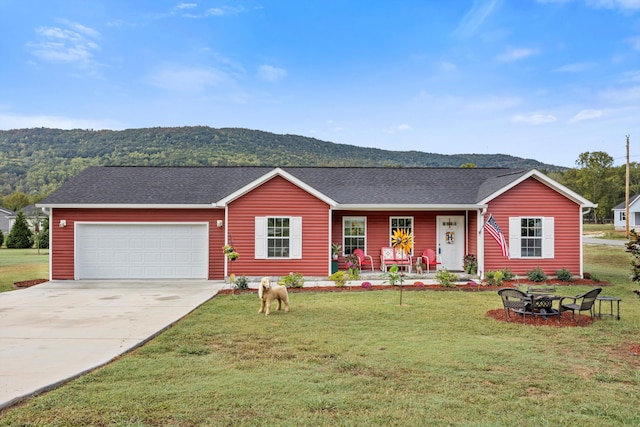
(494, 230)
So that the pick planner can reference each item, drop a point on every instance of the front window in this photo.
(531, 237)
(401, 223)
(278, 237)
(353, 232)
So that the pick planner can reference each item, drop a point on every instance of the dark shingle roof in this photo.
(105, 185)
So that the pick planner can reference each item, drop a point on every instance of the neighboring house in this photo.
(620, 214)
(172, 222)
(30, 213)
(5, 225)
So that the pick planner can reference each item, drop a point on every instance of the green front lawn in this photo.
(18, 265)
(357, 358)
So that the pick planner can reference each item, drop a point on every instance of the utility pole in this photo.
(626, 214)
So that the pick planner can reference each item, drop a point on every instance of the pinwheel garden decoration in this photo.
(401, 240)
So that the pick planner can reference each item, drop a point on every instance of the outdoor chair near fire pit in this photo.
(514, 300)
(582, 302)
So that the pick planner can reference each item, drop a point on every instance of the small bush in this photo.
(446, 278)
(241, 283)
(507, 274)
(564, 275)
(470, 264)
(494, 278)
(536, 275)
(366, 285)
(339, 278)
(1, 238)
(293, 280)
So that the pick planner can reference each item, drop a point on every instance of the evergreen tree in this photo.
(1, 237)
(43, 236)
(20, 236)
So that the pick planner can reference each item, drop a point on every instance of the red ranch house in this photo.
(171, 222)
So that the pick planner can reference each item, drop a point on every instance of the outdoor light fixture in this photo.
(219, 223)
(63, 223)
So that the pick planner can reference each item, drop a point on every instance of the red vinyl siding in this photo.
(531, 198)
(62, 251)
(280, 198)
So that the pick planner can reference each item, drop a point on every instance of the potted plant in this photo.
(335, 250)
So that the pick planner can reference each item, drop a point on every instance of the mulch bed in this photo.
(29, 283)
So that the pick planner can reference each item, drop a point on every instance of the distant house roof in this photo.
(623, 205)
(107, 186)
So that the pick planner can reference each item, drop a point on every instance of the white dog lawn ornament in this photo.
(268, 292)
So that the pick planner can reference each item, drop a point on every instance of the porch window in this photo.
(531, 237)
(623, 216)
(278, 237)
(401, 223)
(353, 234)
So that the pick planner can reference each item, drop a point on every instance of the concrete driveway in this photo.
(59, 330)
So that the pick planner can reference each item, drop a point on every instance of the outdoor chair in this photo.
(390, 255)
(517, 301)
(582, 302)
(363, 260)
(430, 259)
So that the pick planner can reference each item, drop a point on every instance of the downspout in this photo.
(584, 212)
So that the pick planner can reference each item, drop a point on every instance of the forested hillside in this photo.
(37, 161)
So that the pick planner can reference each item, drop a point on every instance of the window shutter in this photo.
(548, 236)
(515, 237)
(260, 233)
(295, 238)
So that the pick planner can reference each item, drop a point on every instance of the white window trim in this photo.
(261, 238)
(353, 218)
(548, 237)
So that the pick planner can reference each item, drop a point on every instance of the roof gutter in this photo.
(123, 206)
(408, 207)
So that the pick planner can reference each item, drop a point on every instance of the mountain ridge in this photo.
(39, 160)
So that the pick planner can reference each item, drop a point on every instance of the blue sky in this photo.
(541, 79)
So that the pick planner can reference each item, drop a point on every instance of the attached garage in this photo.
(141, 251)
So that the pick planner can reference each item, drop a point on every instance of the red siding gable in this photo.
(279, 197)
(531, 198)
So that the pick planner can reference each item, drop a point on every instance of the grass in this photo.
(360, 359)
(17, 265)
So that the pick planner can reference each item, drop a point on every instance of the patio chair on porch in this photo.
(514, 300)
(587, 300)
(363, 260)
(430, 259)
(390, 255)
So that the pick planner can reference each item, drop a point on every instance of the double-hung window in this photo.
(278, 237)
(531, 237)
(353, 234)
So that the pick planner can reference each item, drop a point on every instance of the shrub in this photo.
(536, 275)
(241, 283)
(564, 275)
(293, 280)
(446, 278)
(1, 238)
(20, 236)
(367, 285)
(494, 278)
(507, 274)
(339, 278)
(43, 236)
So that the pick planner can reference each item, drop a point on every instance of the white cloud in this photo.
(9, 121)
(475, 17)
(516, 54)
(575, 67)
(400, 128)
(186, 5)
(615, 4)
(534, 119)
(447, 66)
(271, 74)
(63, 45)
(586, 115)
(189, 79)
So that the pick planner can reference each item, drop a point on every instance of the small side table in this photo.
(611, 301)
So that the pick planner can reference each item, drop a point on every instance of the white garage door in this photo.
(141, 251)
